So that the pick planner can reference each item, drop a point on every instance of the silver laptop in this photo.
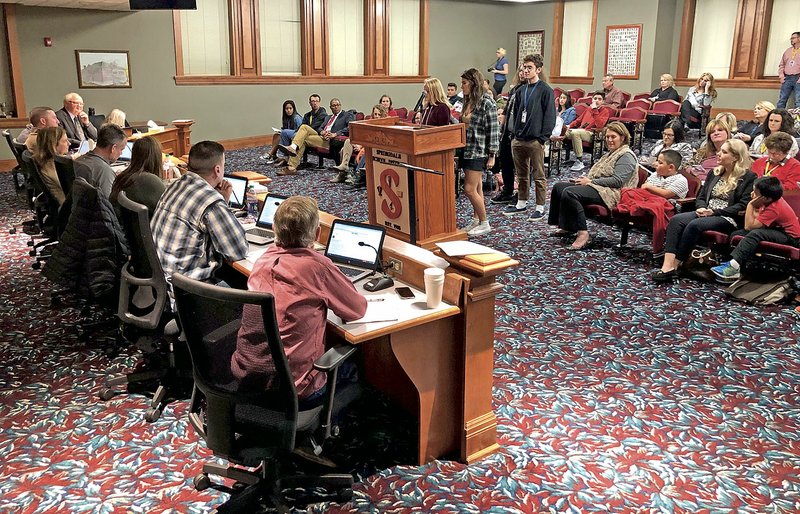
(355, 248)
(84, 148)
(125, 156)
(262, 234)
(239, 190)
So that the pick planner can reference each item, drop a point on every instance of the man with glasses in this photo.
(75, 121)
(789, 72)
(336, 124)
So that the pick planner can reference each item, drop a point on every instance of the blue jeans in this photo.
(789, 84)
(286, 136)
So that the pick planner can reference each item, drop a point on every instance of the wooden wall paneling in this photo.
(685, 45)
(245, 46)
(14, 60)
(315, 38)
(424, 19)
(178, 36)
(750, 17)
(376, 38)
(763, 39)
(558, 35)
(593, 38)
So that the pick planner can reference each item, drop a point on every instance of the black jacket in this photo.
(316, 121)
(738, 200)
(341, 127)
(540, 105)
(92, 249)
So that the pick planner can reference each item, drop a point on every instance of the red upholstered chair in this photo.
(557, 92)
(660, 114)
(644, 95)
(575, 94)
(642, 103)
(634, 119)
(360, 116)
(669, 107)
(625, 97)
(587, 100)
(402, 113)
(644, 223)
(601, 213)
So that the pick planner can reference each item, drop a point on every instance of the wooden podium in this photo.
(411, 178)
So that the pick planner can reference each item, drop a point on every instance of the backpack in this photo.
(760, 293)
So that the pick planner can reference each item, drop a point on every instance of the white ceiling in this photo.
(110, 5)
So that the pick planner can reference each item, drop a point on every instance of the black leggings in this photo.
(685, 229)
(566, 205)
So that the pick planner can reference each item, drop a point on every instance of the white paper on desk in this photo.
(254, 253)
(380, 307)
(260, 188)
(276, 130)
(457, 248)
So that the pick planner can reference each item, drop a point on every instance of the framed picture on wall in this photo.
(103, 68)
(623, 48)
(531, 42)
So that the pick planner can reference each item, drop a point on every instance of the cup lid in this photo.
(434, 272)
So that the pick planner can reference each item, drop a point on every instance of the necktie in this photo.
(79, 129)
(330, 122)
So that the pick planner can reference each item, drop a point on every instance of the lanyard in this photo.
(528, 93)
(768, 171)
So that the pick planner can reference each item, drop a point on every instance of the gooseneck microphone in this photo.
(377, 284)
(379, 266)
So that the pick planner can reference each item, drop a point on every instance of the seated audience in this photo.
(378, 111)
(335, 125)
(768, 217)
(701, 95)
(290, 122)
(435, 107)
(193, 228)
(730, 119)
(75, 121)
(752, 128)
(705, 158)
(314, 119)
(455, 96)
(50, 141)
(777, 162)
(386, 102)
(612, 96)
(142, 181)
(565, 110)
(666, 90)
(95, 165)
(40, 117)
(615, 170)
(722, 197)
(666, 182)
(672, 138)
(305, 285)
(117, 117)
(582, 129)
(778, 120)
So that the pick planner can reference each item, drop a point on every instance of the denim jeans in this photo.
(286, 136)
(789, 84)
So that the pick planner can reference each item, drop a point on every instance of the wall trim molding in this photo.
(246, 142)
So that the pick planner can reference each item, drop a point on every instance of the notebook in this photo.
(355, 248)
(239, 185)
(262, 233)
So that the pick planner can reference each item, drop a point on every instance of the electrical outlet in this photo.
(396, 265)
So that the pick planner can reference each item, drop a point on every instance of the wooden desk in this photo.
(175, 140)
(438, 365)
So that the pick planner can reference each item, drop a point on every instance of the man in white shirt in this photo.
(75, 121)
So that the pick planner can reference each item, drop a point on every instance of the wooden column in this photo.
(14, 60)
(376, 38)
(750, 37)
(314, 37)
(245, 41)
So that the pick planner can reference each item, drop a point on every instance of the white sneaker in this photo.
(472, 224)
(578, 166)
(482, 228)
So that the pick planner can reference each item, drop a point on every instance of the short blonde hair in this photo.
(501, 51)
(669, 79)
(116, 117)
(296, 221)
(766, 105)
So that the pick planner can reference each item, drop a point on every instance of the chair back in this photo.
(359, 116)
(47, 206)
(642, 103)
(142, 274)
(644, 95)
(557, 92)
(580, 109)
(610, 110)
(585, 100)
(65, 169)
(694, 184)
(666, 107)
(211, 317)
(643, 174)
(402, 113)
(14, 149)
(633, 114)
(576, 94)
(793, 199)
(625, 97)
(97, 120)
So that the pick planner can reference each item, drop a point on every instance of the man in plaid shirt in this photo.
(193, 228)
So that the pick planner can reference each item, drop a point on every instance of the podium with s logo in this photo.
(411, 178)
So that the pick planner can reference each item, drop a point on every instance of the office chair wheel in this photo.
(152, 415)
(12, 231)
(335, 431)
(201, 482)
(106, 394)
(36, 265)
(32, 253)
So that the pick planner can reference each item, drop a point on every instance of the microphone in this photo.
(377, 284)
(419, 102)
(380, 263)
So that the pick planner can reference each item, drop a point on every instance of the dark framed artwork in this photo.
(103, 68)
(531, 42)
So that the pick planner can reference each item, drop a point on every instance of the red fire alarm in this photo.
(48, 42)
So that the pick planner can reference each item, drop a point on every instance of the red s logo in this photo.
(390, 206)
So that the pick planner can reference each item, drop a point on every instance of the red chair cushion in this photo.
(789, 252)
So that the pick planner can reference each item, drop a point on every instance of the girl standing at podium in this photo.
(482, 143)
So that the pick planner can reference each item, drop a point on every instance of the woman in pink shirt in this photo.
(305, 285)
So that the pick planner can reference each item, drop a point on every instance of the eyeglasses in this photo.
(336, 105)
(528, 68)
(73, 102)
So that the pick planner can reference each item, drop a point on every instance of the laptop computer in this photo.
(262, 233)
(239, 190)
(355, 248)
(126, 152)
(84, 147)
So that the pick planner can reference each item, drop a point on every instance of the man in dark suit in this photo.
(75, 122)
(336, 124)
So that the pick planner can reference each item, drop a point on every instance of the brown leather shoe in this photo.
(339, 178)
(286, 171)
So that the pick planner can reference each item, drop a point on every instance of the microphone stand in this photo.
(380, 267)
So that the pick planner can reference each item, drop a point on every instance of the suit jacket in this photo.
(65, 119)
(341, 127)
(737, 202)
(318, 120)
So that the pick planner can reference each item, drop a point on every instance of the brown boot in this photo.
(286, 171)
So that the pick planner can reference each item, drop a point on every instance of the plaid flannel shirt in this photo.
(483, 131)
(194, 230)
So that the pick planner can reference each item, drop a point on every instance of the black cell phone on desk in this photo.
(404, 292)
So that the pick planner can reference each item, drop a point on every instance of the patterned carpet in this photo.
(612, 394)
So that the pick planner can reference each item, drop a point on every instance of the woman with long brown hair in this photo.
(50, 141)
(142, 180)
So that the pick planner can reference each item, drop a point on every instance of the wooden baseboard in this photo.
(7, 165)
(246, 142)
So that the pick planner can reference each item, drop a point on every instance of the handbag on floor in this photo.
(760, 293)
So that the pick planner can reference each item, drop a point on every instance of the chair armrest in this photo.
(686, 203)
(223, 333)
(333, 358)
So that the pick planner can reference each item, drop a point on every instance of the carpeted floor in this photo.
(612, 394)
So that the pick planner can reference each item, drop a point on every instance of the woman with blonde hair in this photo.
(51, 141)
(717, 132)
(500, 70)
(435, 107)
(378, 111)
(666, 89)
(720, 202)
(699, 96)
(116, 117)
(142, 180)
(753, 128)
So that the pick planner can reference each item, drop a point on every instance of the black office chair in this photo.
(17, 171)
(97, 120)
(252, 426)
(46, 209)
(144, 304)
(65, 169)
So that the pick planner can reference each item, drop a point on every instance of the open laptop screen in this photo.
(239, 186)
(344, 248)
(126, 152)
(267, 214)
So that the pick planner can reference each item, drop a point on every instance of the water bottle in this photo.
(252, 201)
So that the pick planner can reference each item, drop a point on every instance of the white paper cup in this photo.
(434, 284)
